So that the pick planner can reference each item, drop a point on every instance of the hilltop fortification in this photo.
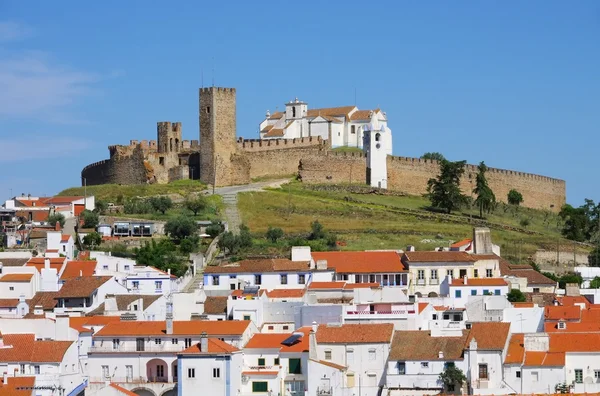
(221, 158)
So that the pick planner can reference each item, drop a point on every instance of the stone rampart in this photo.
(119, 169)
(410, 175)
(253, 145)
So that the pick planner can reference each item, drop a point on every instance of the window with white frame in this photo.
(450, 273)
(424, 364)
(158, 285)
(350, 355)
(534, 376)
(215, 280)
(372, 354)
(597, 374)
(420, 274)
(135, 284)
(434, 274)
(191, 372)
(578, 376)
(216, 372)
(489, 273)
(105, 373)
(115, 343)
(328, 354)
(301, 279)
(284, 279)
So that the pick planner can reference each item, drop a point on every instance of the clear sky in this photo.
(516, 84)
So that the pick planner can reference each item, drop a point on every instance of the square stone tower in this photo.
(217, 134)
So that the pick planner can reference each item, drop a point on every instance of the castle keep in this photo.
(220, 158)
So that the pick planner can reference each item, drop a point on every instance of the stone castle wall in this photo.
(410, 175)
(127, 167)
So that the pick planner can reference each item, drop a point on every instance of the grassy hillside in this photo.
(366, 220)
(117, 194)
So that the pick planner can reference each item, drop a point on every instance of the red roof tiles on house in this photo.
(326, 285)
(286, 293)
(74, 269)
(361, 262)
(25, 348)
(215, 346)
(489, 335)
(274, 341)
(355, 333)
(461, 243)
(17, 386)
(81, 287)
(122, 390)
(439, 257)
(16, 278)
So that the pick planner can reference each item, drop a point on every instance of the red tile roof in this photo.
(17, 386)
(524, 271)
(523, 305)
(274, 341)
(363, 115)
(158, 328)
(122, 390)
(82, 286)
(439, 257)
(422, 306)
(215, 305)
(81, 323)
(38, 263)
(361, 286)
(25, 348)
(461, 243)
(36, 215)
(74, 269)
(420, 345)
(65, 238)
(215, 346)
(489, 335)
(286, 293)
(557, 312)
(355, 333)
(361, 262)
(479, 282)
(9, 302)
(16, 278)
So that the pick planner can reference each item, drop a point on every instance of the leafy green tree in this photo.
(91, 240)
(515, 295)
(56, 217)
(595, 283)
(514, 197)
(161, 204)
(180, 227)
(162, 255)
(274, 233)
(575, 222)
(569, 278)
(189, 244)
(551, 275)
(444, 191)
(524, 222)
(90, 219)
(195, 204)
(137, 206)
(214, 229)
(101, 206)
(594, 257)
(486, 200)
(433, 156)
(245, 238)
(452, 377)
(229, 242)
(316, 230)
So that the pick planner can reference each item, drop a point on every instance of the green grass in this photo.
(213, 211)
(347, 149)
(372, 221)
(116, 193)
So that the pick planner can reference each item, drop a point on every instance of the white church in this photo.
(345, 126)
(342, 126)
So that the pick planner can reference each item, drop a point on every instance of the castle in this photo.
(221, 159)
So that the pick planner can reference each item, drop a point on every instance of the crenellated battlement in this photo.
(279, 144)
(473, 169)
(218, 89)
(347, 154)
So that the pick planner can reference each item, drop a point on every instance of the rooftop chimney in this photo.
(482, 241)
(57, 226)
(47, 263)
(38, 310)
(572, 289)
(5, 378)
(169, 317)
(312, 342)
(465, 280)
(204, 342)
(441, 354)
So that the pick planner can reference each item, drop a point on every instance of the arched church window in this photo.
(377, 137)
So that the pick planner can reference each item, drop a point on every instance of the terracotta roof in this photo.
(260, 372)
(215, 346)
(13, 262)
(62, 200)
(439, 257)
(326, 285)
(36, 215)
(288, 124)
(25, 348)
(122, 390)
(45, 299)
(422, 306)
(191, 327)
(544, 359)
(267, 128)
(542, 299)
(82, 286)
(489, 335)
(560, 343)
(361, 285)
(479, 282)
(557, 312)
(73, 269)
(461, 243)
(342, 111)
(355, 333)
(277, 115)
(420, 345)
(18, 386)
(363, 114)
(361, 262)
(16, 278)
(274, 341)
(65, 238)
(215, 305)
(38, 263)
(259, 266)
(239, 293)
(274, 132)
(523, 305)
(329, 364)
(572, 300)
(162, 272)
(81, 323)
(286, 293)
(524, 271)
(9, 302)
(124, 301)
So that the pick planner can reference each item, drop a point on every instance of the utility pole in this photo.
(215, 174)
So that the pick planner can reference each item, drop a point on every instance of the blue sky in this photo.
(514, 84)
